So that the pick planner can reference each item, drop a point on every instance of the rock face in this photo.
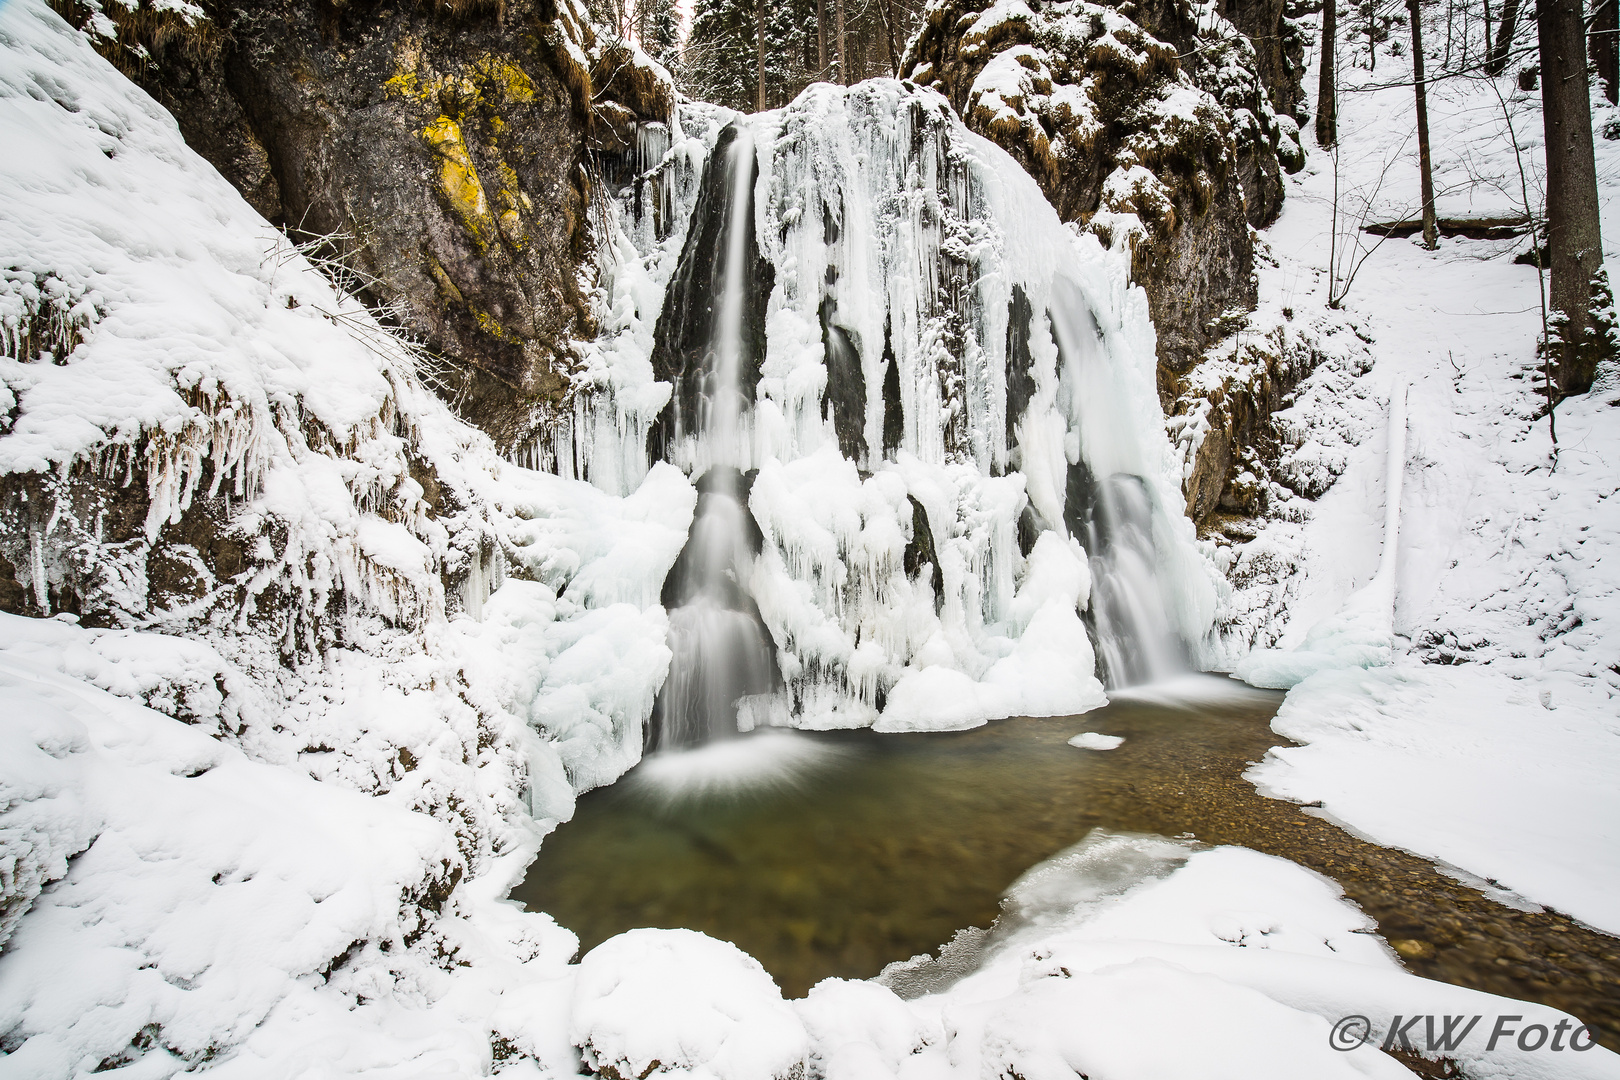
(448, 149)
(1149, 124)
(1279, 50)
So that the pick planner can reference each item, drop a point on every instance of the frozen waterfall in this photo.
(721, 651)
(921, 411)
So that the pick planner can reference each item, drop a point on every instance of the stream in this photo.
(851, 850)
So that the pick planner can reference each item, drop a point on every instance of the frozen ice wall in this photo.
(954, 445)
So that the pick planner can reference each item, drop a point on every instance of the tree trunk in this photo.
(1487, 36)
(1603, 47)
(1327, 102)
(888, 34)
(1574, 237)
(1372, 35)
(821, 39)
(759, 43)
(1431, 236)
(1498, 59)
(843, 65)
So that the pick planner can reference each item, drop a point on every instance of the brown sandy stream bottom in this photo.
(897, 841)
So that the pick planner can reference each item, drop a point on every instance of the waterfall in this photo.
(934, 482)
(721, 651)
(1134, 640)
(1109, 505)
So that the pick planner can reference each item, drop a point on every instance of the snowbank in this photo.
(1490, 740)
(262, 815)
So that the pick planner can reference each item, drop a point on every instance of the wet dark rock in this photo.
(445, 148)
(920, 551)
(894, 420)
(846, 385)
(1020, 364)
(686, 328)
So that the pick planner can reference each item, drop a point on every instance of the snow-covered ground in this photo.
(279, 866)
(1489, 739)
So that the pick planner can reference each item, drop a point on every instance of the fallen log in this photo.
(1480, 228)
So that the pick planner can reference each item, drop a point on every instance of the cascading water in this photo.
(1109, 506)
(722, 653)
(1134, 641)
(935, 486)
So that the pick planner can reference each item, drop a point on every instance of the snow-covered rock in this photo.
(681, 1004)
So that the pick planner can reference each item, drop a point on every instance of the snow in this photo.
(1091, 740)
(271, 830)
(680, 1003)
(216, 902)
(1467, 767)
(1243, 961)
(1456, 701)
(284, 851)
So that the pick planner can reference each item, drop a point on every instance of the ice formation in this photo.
(950, 438)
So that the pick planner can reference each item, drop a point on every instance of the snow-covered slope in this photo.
(263, 814)
(1491, 737)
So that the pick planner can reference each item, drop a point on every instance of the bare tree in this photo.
(1372, 35)
(1603, 47)
(843, 64)
(1496, 61)
(1431, 236)
(759, 42)
(1574, 237)
(888, 37)
(1535, 224)
(1327, 102)
(1347, 246)
(821, 39)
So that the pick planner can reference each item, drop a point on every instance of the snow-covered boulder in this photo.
(680, 1003)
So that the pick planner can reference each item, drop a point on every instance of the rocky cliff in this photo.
(1148, 124)
(1159, 125)
(448, 151)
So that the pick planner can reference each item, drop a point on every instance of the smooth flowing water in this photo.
(837, 853)
(722, 653)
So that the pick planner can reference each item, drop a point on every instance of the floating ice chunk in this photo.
(1091, 740)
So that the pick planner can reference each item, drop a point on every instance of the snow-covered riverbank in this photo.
(214, 855)
(1491, 741)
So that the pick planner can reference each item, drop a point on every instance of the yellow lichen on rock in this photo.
(487, 83)
(512, 81)
(458, 180)
(512, 202)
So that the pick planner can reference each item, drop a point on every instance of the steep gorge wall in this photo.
(1165, 125)
(448, 148)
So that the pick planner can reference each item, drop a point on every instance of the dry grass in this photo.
(146, 36)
